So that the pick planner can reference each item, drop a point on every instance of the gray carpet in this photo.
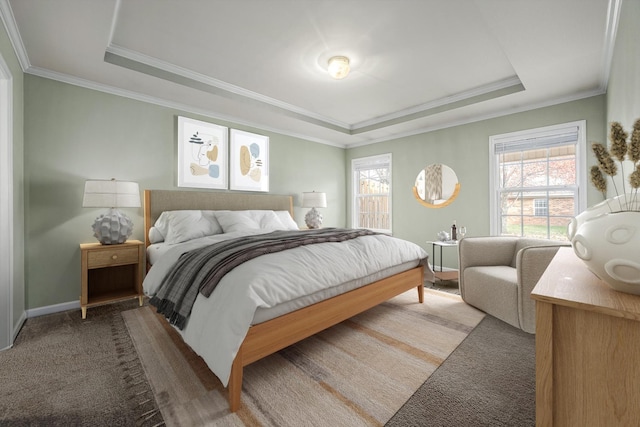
(65, 371)
(489, 380)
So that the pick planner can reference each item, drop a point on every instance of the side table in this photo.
(443, 275)
(111, 273)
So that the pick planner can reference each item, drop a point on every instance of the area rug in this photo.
(450, 286)
(357, 373)
(66, 371)
(489, 380)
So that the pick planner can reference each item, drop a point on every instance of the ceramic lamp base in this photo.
(112, 228)
(313, 219)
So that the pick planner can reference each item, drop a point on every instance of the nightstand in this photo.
(111, 273)
(443, 275)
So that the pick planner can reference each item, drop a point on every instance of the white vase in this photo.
(609, 244)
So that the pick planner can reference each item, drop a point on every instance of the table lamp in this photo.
(313, 200)
(112, 227)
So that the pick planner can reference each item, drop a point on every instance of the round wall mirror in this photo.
(436, 186)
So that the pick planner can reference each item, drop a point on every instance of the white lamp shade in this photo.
(111, 194)
(314, 200)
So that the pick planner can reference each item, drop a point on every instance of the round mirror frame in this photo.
(447, 202)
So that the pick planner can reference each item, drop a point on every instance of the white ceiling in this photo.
(417, 65)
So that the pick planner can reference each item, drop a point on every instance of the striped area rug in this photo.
(357, 373)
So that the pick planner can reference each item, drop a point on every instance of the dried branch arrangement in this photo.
(608, 161)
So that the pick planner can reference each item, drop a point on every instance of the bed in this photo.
(276, 329)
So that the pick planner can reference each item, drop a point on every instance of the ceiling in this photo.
(416, 65)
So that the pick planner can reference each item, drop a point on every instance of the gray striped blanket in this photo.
(200, 270)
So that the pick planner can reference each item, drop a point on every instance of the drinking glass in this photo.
(461, 232)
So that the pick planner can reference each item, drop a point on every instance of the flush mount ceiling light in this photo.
(338, 67)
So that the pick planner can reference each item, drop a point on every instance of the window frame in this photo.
(530, 134)
(364, 163)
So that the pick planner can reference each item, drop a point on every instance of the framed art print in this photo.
(249, 161)
(202, 154)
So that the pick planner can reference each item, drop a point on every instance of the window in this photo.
(538, 181)
(372, 193)
(540, 207)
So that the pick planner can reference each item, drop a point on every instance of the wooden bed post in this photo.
(421, 288)
(235, 382)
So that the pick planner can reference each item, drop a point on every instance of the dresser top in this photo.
(568, 282)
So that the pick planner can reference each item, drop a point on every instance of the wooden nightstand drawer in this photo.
(116, 256)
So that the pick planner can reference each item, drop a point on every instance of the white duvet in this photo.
(273, 284)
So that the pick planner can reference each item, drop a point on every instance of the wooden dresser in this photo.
(587, 348)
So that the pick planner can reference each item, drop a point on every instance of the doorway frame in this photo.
(6, 207)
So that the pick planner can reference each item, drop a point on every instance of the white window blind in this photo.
(538, 142)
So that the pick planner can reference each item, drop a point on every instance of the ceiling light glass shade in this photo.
(314, 200)
(339, 67)
(113, 227)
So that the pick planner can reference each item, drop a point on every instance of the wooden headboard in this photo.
(158, 201)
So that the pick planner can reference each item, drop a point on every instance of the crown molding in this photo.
(489, 116)
(6, 14)
(64, 78)
(88, 84)
(613, 21)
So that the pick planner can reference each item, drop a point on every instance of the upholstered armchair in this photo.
(497, 275)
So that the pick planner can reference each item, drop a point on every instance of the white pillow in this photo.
(180, 226)
(267, 220)
(211, 216)
(249, 220)
(155, 236)
(231, 221)
(286, 220)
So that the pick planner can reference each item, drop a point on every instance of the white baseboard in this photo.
(16, 329)
(18, 325)
(40, 311)
(50, 309)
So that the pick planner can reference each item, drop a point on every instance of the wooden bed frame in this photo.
(273, 335)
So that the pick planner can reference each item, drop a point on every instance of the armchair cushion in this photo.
(493, 291)
(497, 275)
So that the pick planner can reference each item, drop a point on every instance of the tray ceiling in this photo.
(416, 65)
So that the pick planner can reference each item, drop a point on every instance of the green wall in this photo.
(466, 150)
(73, 134)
